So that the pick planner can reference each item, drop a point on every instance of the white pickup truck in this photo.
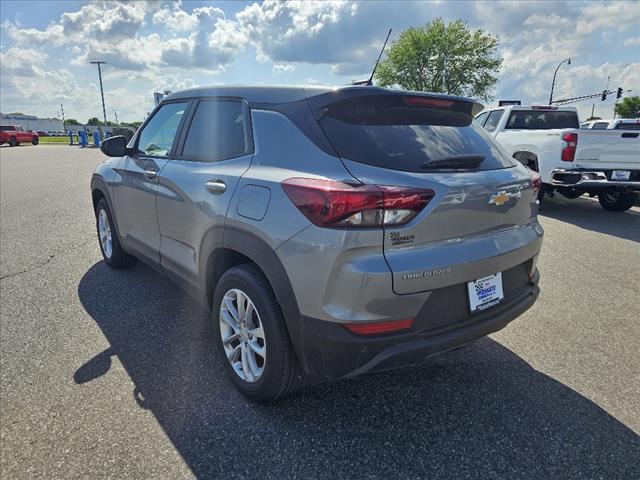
(570, 161)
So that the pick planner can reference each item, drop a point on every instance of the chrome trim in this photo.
(589, 178)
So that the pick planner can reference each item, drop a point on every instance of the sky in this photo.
(46, 47)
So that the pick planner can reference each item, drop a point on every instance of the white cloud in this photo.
(282, 69)
(630, 42)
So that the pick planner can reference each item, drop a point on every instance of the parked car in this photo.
(43, 133)
(570, 160)
(330, 232)
(15, 135)
(614, 124)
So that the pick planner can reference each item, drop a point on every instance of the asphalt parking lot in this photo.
(112, 374)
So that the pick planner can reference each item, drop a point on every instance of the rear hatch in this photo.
(481, 219)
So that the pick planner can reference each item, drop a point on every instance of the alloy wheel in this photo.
(104, 232)
(242, 335)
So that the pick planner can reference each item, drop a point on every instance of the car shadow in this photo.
(587, 213)
(481, 411)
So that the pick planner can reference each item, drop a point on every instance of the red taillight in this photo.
(569, 150)
(335, 204)
(535, 181)
(428, 102)
(379, 327)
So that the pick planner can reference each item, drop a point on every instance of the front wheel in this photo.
(112, 252)
(251, 337)
(35, 140)
(617, 201)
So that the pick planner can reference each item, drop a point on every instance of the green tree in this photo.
(71, 121)
(629, 107)
(94, 122)
(420, 56)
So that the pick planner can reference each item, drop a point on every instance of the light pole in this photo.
(104, 110)
(568, 60)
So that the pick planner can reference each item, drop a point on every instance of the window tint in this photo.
(493, 120)
(7, 128)
(219, 130)
(156, 138)
(542, 120)
(628, 126)
(481, 118)
(600, 126)
(387, 132)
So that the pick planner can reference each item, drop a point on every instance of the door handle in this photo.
(150, 174)
(216, 186)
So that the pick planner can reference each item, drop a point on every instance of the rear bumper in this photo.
(593, 179)
(331, 351)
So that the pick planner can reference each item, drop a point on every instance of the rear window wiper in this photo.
(456, 162)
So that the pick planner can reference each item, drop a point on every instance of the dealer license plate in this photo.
(620, 175)
(485, 292)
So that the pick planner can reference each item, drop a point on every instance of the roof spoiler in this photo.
(319, 100)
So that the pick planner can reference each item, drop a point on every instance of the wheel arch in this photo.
(527, 158)
(99, 191)
(228, 247)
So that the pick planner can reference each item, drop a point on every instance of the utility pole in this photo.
(444, 75)
(104, 110)
(593, 106)
(62, 110)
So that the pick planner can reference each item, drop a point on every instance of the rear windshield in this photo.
(407, 133)
(541, 120)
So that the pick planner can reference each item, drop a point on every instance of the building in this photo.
(31, 122)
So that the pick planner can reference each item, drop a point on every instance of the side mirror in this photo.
(114, 146)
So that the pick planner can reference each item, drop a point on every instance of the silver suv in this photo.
(330, 232)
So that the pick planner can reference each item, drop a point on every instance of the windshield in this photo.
(393, 132)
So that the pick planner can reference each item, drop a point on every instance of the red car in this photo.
(16, 134)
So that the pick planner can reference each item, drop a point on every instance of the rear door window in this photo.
(542, 120)
(493, 120)
(219, 130)
(393, 131)
(628, 126)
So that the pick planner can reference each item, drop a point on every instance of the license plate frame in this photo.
(485, 292)
(620, 175)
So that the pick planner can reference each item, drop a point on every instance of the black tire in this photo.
(35, 140)
(282, 371)
(119, 259)
(617, 201)
(13, 142)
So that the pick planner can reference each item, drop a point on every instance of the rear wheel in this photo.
(35, 140)
(252, 340)
(13, 142)
(617, 201)
(112, 252)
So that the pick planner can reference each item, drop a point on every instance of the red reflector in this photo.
(428, 102)
(569, 150)
(379, 327)
(341, 205)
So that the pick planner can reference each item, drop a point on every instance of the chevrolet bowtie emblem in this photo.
(502, 197)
